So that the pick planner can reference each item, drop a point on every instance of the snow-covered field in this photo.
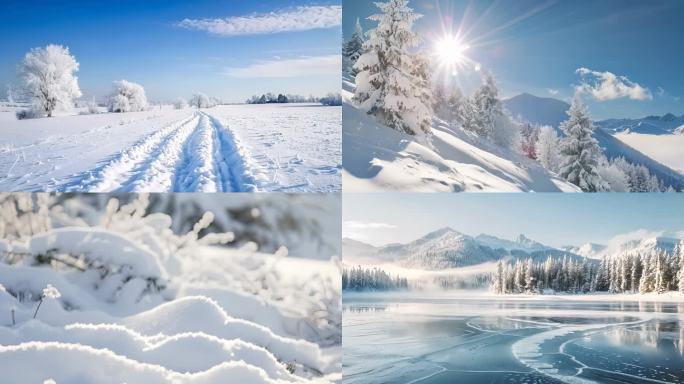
(377, 158)
(667, 149)
(472, 337)
(293, 147)
(118, 297)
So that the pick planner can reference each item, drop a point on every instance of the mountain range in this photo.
(448, 248)
(550, 111)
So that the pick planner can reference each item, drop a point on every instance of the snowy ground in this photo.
(377, 158)
(667, 149)
(140, 304)
(293, 147)
(479, 338)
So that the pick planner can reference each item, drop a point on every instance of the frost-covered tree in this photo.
(48, 78)
(388, 80)
(127, 96)
(647, 281)
(529, 136)
(547, 148)
(200, 100)
(613, 175)
(180, 103)
(579, 150)
(353, 48)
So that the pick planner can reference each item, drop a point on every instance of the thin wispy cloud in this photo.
(305, 66)
(553, 92)
(301, 18)
(604, 86)
(351, 224)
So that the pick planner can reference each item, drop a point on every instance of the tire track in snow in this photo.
(114, 174)
(193, 154)
(198, 170)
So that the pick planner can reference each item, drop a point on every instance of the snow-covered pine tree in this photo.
(386, 81)
(579, 150)
(635, 274)
(483, 109)
(647, 281)
(680, 274)
(529, 277)
(499, 282)
(660, 280)
(353, 48)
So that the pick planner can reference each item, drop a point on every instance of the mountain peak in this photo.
(440, 232)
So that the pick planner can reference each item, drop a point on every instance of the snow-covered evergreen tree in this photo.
(389, 84)
(49, 80)
(680, 273)
(353, 48)
(499, 279)
(529, 277)
(579, 150)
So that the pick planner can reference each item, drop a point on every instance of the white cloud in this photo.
(305, 66)
(553, 92)
(297, 19)
(640, 234)
(608, 86)
(351, 224)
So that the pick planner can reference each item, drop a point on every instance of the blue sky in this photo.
(142, 41)
(553, 219)
(536, 46)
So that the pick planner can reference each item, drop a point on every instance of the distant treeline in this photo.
(375, 279)
(271, 98)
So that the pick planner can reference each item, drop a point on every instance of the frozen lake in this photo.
(439, 338)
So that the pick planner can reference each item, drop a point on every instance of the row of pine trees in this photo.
(371, 279)
(657, 272)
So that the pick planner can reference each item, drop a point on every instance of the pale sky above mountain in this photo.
(552, 219)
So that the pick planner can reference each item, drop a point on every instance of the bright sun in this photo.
(451, 50)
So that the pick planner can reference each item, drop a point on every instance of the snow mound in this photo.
(379, 158)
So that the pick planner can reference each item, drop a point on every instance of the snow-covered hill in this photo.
(448, 248)
(378, 158)
(548, 111)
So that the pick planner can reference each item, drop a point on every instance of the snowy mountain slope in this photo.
(542, 110)
(651, 125)
(530, 108)
(447, 248)
(296, 148)
(378, 158)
